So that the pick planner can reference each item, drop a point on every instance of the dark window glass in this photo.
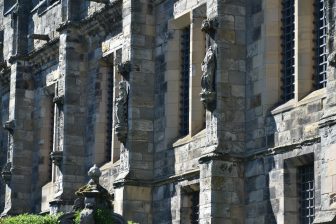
(194, 216)
(306, 194)
(185, 64)
(321, 44)
(288, 49)
(8, 4)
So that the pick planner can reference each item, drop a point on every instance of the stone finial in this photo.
(94, 173)
(208, 94)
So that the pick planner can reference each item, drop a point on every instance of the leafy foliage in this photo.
(30, 219)
(103, 216)
(77, 218)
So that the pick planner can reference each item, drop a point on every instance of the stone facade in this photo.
(99, 82)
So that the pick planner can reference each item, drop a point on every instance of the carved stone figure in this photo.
(6, 172)
(209, 25)
(56, 157)
(121, 112)
(124, 68)
(9, 126)
(208, 94)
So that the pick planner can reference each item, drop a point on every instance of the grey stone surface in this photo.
(60, 97)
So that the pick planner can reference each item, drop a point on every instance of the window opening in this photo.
(185, 68)
(194, 216)
(321, 44)
(288, 49)
(306, 194)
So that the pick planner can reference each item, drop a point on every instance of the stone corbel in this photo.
(209, 25)
(100, 1)
(124, 68)
(39, 37)
(56, 157)
(121, 112)
(59, 100)
(6, 172)
(208, 93)
(9, 126)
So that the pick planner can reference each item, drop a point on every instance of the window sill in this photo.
(316, 95)
(186, 139)
(41, 11)
(10, 10)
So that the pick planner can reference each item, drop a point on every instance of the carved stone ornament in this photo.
(59, 100)
(121, 112)
(208, 94)
(6, 172)
(9, 125)
(56, 157)
(209, 25)
(124, 68)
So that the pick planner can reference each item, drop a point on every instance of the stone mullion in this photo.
(20, 127)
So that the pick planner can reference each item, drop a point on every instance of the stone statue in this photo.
(208, 94)
(209, 25)
(6, 172)
(121, 112)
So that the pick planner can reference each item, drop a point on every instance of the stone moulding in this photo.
(56, 157)
(209, 25)
(208, 93)
(6, 172)
(121, 112)
(9, 126)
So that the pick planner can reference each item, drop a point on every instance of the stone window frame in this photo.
(304, 45)
(184, 191)
(291, 184)
(192, 18)
(44, 5)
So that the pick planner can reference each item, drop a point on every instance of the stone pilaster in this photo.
(20, 152)
(69, 134)
(137, 152)
(221, 190)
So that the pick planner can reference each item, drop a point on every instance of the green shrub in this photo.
(103, 216)
(77, 218)
(30, 219)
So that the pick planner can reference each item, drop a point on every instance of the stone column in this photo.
(20, 123)
(20, 152)
(69, 135)
(221, 190)
(131, 188)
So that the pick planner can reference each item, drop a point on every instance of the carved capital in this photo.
(124, 68)
(209, 25)
(9, 126)
(56, 157)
